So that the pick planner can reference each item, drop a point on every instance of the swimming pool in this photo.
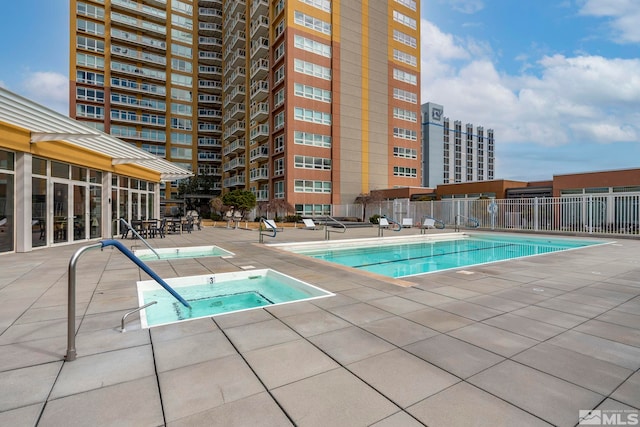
(221, 293)
(185, 252)
(419, 255)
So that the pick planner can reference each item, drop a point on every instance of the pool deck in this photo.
(526, 342)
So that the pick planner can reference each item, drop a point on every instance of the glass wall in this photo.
(7, 197)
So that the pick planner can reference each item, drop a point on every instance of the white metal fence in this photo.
(608, 213)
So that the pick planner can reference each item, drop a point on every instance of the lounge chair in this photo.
(428, 223)
(309, 224)
(407, 222)
(383, 222)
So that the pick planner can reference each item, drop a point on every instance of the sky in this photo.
(557, 80)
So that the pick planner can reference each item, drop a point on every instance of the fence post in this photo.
(535, 214)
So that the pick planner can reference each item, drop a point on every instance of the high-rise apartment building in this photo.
(308, 101)
(453, 153)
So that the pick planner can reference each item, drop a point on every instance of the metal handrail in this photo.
(392, 221)
(268, 227)
(134, 311)
(130, 227)
(473, 220)
(341, 227)
(71, 293)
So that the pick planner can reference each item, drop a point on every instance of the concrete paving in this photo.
(527, 342)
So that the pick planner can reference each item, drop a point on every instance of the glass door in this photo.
(60, 212)
(80, 222)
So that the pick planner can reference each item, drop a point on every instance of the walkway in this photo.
(528, 342)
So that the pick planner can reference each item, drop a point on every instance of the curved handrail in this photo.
(267, 227)
(341, 228)
(393, 221)
(145, 268)
(475, 221)
(438, 223)
(128, 225)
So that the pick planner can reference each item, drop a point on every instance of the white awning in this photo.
(47, 125)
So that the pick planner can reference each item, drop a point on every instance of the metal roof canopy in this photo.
(47, 125)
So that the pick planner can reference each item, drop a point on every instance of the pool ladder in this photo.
(339, 227)
(122, 329)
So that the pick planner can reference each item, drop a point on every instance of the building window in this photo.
(324, 5)
(181, 153)
(278, 52)
(403, 76)
(405, 172)
(309, 162)
(402, 114)
(278, 76)
(92, 61)
(312, 92)
(184, 124)
(312, 116)
(405, 153)
(86, 94)
(311, 69)
(88, 43)
(313, 139)
(411, 4)
(90, 77)
(405, 39)
(404, 95)
(181, 65)
(278, 98)
(312, 46)
(90, 27)
(278, 189)
(90, 10)
(404, 20)
(90, 111)
(403, 133)
(179, 50)
(278, 121)
(308, 186)
(181, 21)
(278, 143)
(278, 166)
(404, 57)
(312, 22)
(181, 138)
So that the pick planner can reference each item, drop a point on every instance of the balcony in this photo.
(259, 27)
(238, 76)
(209, 14)
(209, 85)
(140, 9)
(210, 57)
(236, 57)
(260, 47)
(259, 133)
(259, 90)
(235, 6)
(234, 181)
(132, 85)
(209, 156)
(259, 174)
(237, 94)
(259, 6)
(209, 28)
(262, 195)
(235, 129)
(236, 23)
(236, 163)
(259, 111)
(139, 40)
(259, 68)
(237, 146)
(138, 24)
(209, 70)
(259, 153)
(210, 42)
(235, 40)
(132, 70)
(136, 55)
(146, 104)
(209, 99)
(207, 113)
(209, 128)
(209, 142)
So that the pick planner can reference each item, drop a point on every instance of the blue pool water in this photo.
(222, 293)
(419, 257)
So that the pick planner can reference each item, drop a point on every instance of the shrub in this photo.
(374, 219)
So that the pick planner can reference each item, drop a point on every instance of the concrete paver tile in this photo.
(629, 391)
(399, 331)
(524, 326)
(351, 344)
(27, 386)
(335, 398)
(439, 320)
(191, 349)
(493, 339)
(402, 377)
(610, 351)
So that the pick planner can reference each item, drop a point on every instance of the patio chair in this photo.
(309, 224)
(407, 222)
(427, 224)
(159, 228)
(383, 222)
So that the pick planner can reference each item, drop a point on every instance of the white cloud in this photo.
(466, 6)
(580, 100)
(47, 88)
(623, 14)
